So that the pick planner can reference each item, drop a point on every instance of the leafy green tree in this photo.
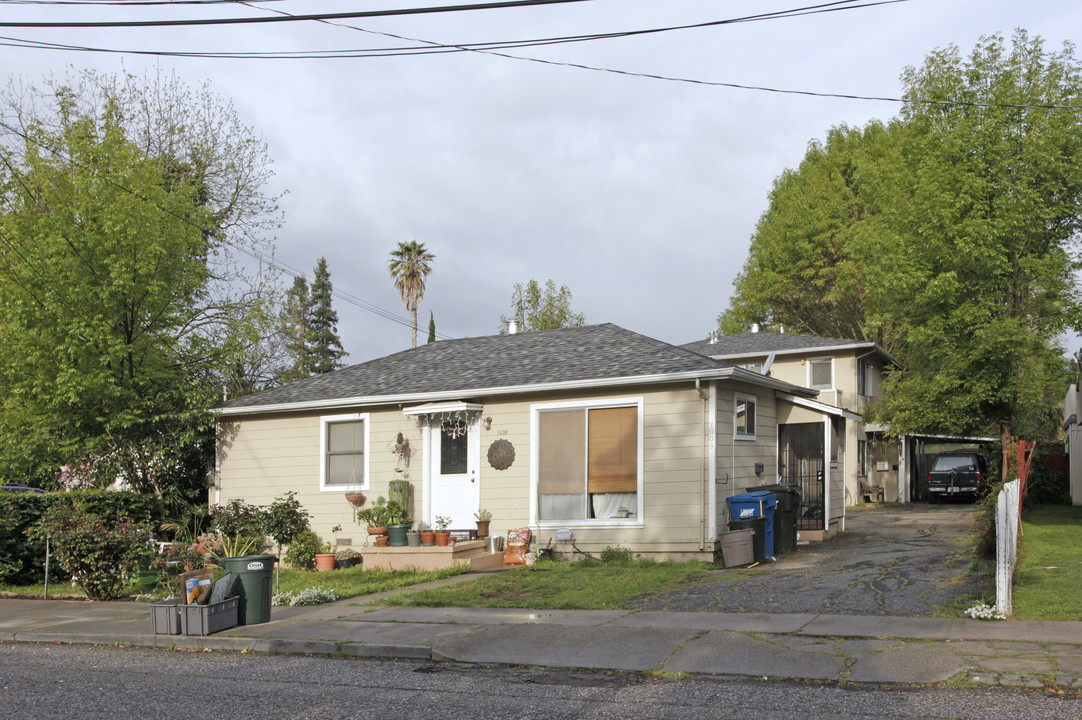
(324, 348)
(103, 290)
(411, 262)
(979, 270)
(534, 308)
(950, 235)
(122, 309)
(804, 270)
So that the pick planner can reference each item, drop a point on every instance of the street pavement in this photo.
(809, 630)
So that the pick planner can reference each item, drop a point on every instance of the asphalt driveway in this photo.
(906, 560)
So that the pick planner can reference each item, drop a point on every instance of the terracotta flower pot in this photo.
(324, 561)
(428, 537)
(443, 538)
(482, 528)
(378, 530)
(382, 540)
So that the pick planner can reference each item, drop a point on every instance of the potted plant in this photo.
(484, 517)
(401, 445)
(428, 535)
(375, 517)
(398, 523)
(443, 535)
(325, 558)
(413, 538)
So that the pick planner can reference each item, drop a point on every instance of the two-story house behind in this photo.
(849, 376)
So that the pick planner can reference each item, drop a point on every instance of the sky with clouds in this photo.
(640, 194)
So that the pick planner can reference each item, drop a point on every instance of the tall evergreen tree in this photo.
(295, 320)
(324, 346)
(431, 327)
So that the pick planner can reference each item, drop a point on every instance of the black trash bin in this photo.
(758, 539)
(252, 584)
(785, 516)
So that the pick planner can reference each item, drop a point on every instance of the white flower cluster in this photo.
(317, 595)
(984, 612)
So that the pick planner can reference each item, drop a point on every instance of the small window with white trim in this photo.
(744, 417)
(821, 373)
(344, 450)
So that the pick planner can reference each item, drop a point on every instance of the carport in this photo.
(918, 452)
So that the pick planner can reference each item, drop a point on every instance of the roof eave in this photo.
(443, 396)
(817, 348)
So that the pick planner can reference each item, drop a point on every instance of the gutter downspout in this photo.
(703, 465)
(827, 479)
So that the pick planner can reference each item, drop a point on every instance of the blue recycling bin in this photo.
(757, 504)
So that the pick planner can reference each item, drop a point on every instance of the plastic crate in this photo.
(165, 617)
(207, 619)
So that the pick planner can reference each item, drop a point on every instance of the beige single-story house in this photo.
(609, 436)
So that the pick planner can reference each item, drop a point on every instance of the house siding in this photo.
(262, 457)
(736, 458)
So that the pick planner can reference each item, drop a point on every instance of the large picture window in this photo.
(589, 462)
(344, 443)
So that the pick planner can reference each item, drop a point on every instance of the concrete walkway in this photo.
(824, 647)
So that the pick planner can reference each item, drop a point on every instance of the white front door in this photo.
(456, 486)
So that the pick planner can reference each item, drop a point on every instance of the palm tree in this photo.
(409, 268)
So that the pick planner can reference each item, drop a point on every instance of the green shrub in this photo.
(99, 556)
(301, 553)
(617, 556)
(241, 527)
(22, 554)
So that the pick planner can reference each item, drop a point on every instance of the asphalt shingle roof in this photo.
(592, 352)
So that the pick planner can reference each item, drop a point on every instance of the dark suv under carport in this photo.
(959, 473)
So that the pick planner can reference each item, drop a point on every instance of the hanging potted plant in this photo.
(401, 445)
(356, 499)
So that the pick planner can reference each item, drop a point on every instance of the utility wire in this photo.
(426, 47)
(829, 7)
(503, 4)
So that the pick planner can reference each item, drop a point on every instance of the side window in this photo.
(344, 450)
(744, 417)
(821, 373)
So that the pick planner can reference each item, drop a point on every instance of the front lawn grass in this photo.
(356, 581)
(346, 583)
(568, 585)
(1049, 571)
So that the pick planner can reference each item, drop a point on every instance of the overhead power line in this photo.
(426, 47)
(503, 4)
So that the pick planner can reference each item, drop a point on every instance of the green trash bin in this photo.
(252, 584)
(785, 516)
(758, 539)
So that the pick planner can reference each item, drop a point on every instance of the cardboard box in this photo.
(165, 616)
(207, 619)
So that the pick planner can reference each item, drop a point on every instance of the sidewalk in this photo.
(838, 648)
